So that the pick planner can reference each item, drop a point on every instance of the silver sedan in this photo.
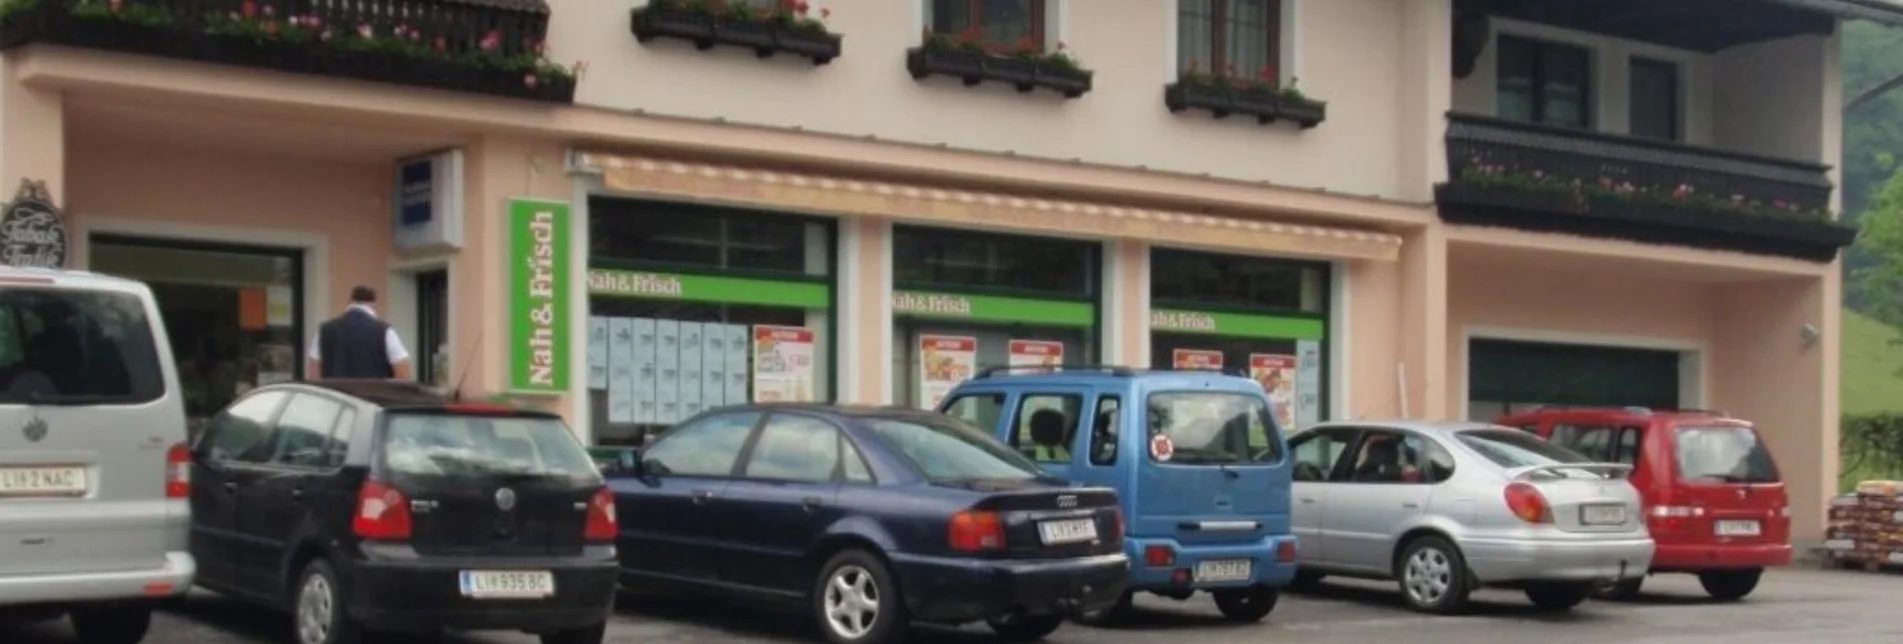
(1444, 508)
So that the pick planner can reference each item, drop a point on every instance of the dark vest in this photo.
(352, 346)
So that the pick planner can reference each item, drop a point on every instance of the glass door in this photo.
(432, 327)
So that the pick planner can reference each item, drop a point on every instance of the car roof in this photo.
(74, 279)
(397, 394)
(838, 410)
(1657, 413)
(1423, 426)
(1097, 376)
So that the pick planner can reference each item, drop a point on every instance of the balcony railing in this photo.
(480, 46)
(1505, 173)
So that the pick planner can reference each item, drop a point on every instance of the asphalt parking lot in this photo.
(1793, 605)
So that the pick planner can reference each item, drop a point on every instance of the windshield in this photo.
(1728, 454)
(482, 446)
(950, 450)
(1213, 428)
(62, 346)
(1512, 448)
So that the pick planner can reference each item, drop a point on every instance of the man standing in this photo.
(357, 344)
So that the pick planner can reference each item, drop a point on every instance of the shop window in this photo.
(1004, 25)
(1236, 38)
(1263, 318)
(934, 258)
(1044, 426)
(1544, 82)
(1105, 430)
(706, 237)
(1261, 283)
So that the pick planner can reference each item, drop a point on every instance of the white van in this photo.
(94, 469)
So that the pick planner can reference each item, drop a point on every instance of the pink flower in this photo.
(296, 21)
(366, 31)
(271, 27)
(825, 13)
(249, 9)
(313, 22)
(530, 80)
(441, 44)
(535, 46)
(324, 37)
(491, 41)
(270, 11)
(116, 5)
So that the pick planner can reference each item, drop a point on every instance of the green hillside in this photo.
(1872, 364)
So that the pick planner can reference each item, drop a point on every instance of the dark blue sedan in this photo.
(870, 518)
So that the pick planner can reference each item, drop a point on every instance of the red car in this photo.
(1714, 502)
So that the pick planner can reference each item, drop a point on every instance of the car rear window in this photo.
(76, 347)
(951, 450)
(1214, 428)
(1511, 448)
(1728, 454)
(430, 444)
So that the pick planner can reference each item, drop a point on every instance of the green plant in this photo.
(149, 15)
(1684, 196)
(1291, 93)
(10, 7)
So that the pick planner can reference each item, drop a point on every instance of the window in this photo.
(706, 447)
(1388, 457)
(1104, 431)
(1654, 99)
(854, 466)
(1510, 448)
(1045, 425)
(1213, 428)
(936, 258)
(340, 438)
(1238, 38)
(707, 237)
(998, 24)
(451, 445)
(952, 452)
(795, 448)
(1723, 454)
(303, 431)
(1544, 82)
(60, 345)
(1440, 463)
(1605, 444)
(240, 433)
(1318, 452)
(981, 410)
(1200, 279)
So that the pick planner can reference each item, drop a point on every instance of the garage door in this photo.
(1507, 376)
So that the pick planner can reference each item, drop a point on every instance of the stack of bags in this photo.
(1866, 527)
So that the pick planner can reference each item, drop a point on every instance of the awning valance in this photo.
(960, 207)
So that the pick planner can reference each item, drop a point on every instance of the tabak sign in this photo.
(32, 232)
(539, 293)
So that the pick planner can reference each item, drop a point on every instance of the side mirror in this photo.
(617, 461)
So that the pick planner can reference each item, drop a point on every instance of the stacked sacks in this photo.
(1866, 527)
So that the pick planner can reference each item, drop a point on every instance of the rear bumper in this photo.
(951, 590)
(1686, 557)
(1524, 560)
(171, 579)
(1264, 569)
(416, 594)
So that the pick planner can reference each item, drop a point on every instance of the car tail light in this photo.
(383, 513)
(1159, 556)
(974, 531)
(1116, 523)
(1528, 503)
(602, 525)
(1285, 551)
(178, 472)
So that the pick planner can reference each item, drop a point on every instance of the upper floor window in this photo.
(998, 24)
(1236, 38)
(1545, 82)
(1654, 96)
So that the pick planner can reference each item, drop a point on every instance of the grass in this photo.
(1872, 375)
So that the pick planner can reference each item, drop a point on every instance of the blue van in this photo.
(1195, 456)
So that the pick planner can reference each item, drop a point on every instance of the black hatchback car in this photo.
(869, 518)
(371, 506)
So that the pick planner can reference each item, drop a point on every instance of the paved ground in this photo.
(1792, 605)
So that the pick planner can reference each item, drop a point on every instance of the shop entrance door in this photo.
(432, 327)
(234, 313)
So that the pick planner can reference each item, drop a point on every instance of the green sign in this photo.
(708, 288)
(992, 309)
(1237, 324)
(539, 279)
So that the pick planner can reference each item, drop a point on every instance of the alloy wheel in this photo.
(1427, 576)
(852, 602)
(315, 606)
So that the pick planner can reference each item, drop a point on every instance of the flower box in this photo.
(1180, 96)
(1305, 111)
(818, 45)
(1018, 72)
(973, 67)
(1266, 104)
(1072, 83)
(758, 36)
(765, 37)
(1263, 103)
(968, 66)
(652, 22)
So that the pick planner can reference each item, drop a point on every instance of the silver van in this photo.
(94, 470)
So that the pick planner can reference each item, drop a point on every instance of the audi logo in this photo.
(1067, 501)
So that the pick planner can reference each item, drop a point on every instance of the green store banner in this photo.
(539, 309)
(945, 306)
(708, 288)
(1236, 324)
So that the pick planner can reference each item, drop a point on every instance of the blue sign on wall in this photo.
(415, 192)
(427, 211)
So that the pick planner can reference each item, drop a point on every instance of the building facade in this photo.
(1378, 208)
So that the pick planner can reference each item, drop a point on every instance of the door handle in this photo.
(702, 496)
(297, 494)
(231, 486)
(812, 503)
(1307, 500)
(1410, 505)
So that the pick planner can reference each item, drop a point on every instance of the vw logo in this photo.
(1067, 501)
(505, 499)
(35, 430)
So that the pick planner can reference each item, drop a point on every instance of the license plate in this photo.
(1602, 514)
(42, 481)
(1738, 528)
(508, 584)
(1067, 531)
(1225, 570)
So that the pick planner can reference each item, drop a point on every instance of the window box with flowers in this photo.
(1023, 65)
(457, 55)
(1261, 97)
(781, 26)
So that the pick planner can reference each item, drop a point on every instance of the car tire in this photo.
(1110, 616)
(855, 600)
(1557, 597)
(1246, 604)
(116, 624)
(1624, 590)
(1433, 576)
(1306, 580)
(317, 608)
(1020, 628)
(590, 635)
(1730, 585)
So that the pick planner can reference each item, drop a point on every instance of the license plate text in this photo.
(1224, 570)
(1067, 531)
(508, 584)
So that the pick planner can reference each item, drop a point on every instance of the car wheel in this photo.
(1557, 597)
(590, 635)
(1433, 576)
(318, 608)
(1730, 585)
(1020, 628)
(1306, 580)
(1112, 615)
(117, 624)
(1246, 604)
(856, 602)
(1622, 590)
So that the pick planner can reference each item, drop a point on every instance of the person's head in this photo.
(363, 295)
